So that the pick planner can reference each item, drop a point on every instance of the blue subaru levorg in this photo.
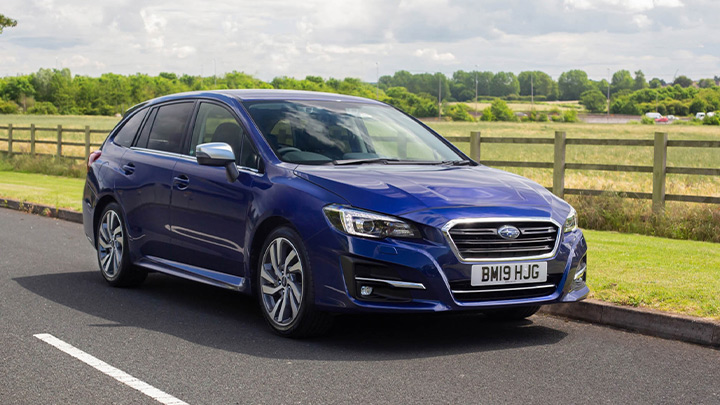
(322, 204)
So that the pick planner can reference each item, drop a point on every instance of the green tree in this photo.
(621, 80)
(6, 22)
(594, 101)
(683, 81)
(572, 84)
(504, 84)
(542, 84)
(656, 83)
(640, 82)
(706, 83)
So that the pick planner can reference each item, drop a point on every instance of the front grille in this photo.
(480, 240)
(464, 292)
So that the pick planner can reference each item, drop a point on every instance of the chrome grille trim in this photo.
(539, 232)
(503, 289)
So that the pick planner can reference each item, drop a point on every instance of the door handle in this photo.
(128, 168)
(181, 182)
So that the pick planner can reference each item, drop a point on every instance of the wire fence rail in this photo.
(559, 166)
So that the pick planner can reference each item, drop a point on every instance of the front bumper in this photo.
(426, 276)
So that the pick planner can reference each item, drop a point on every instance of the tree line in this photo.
(58, 91)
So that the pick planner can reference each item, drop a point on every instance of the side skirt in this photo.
(193, 273)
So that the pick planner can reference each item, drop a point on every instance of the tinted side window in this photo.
(249, 157)
(126, 134)
(216, 124)
(169, 127)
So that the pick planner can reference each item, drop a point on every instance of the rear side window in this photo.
(126, 134)
(168, 129)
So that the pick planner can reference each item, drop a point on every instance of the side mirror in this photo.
(218, 154)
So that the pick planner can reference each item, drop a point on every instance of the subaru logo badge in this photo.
(508, 232)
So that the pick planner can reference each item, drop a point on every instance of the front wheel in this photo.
(285, 292)
(112, 250)
(512, 314)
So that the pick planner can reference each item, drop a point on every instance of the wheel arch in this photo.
(99, 207)
(261, 233)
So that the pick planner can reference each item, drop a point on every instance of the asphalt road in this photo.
(209, 346)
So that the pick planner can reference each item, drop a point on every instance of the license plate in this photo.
(508, 273)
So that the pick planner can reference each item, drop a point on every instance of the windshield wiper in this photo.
(456, 162)
(363, 161)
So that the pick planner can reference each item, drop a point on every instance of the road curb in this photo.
(43, 210)
(645, 321)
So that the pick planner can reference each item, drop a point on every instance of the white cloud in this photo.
(334, 38)
(433, 54)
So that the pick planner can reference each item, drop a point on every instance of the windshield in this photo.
(320, 132)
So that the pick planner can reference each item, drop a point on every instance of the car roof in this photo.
(266, 94)
(255, 95)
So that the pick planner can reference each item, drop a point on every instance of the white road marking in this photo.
(113, 372)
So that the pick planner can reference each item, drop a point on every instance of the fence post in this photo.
(10, 136)
(87, 142)
(475, 145)
(32, 140)
(559, 165)
(59, 140)
(659, 171)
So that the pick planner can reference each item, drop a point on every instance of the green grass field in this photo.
(670, 275)
(55, 191)
(540, 106)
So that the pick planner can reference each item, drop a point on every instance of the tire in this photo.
(283, 273)
(512, 314)
(111, 243)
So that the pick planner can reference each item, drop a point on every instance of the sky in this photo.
(362, 38)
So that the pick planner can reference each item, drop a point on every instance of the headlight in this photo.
(368, 224)
(571, 221)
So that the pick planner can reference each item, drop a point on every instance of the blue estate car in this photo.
(321, 204)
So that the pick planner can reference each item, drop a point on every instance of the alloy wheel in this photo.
(281, 281)
(110, 244)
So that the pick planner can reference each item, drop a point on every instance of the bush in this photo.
(459, 112)
(556, 118)
(714, 120)
(647, 121)
(43, 108)
(501, 111)
(679, 221)
(487, 115)
(542, 117)
(570, 116)
(594, 101)
(44, 165)
(8, 107)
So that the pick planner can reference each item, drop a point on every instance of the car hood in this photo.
(452, 191)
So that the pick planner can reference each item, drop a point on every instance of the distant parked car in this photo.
(699, 115)
(671, 117)
(662, 120)
(323, 203)
(653, 115)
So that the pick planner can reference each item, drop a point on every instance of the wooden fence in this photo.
(659, 169)
(58, 140)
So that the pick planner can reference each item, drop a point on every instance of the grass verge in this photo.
(671, 275)
(54, 191)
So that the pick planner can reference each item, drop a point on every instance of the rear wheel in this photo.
(112, 250)
(285, 292)
(512, 314)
